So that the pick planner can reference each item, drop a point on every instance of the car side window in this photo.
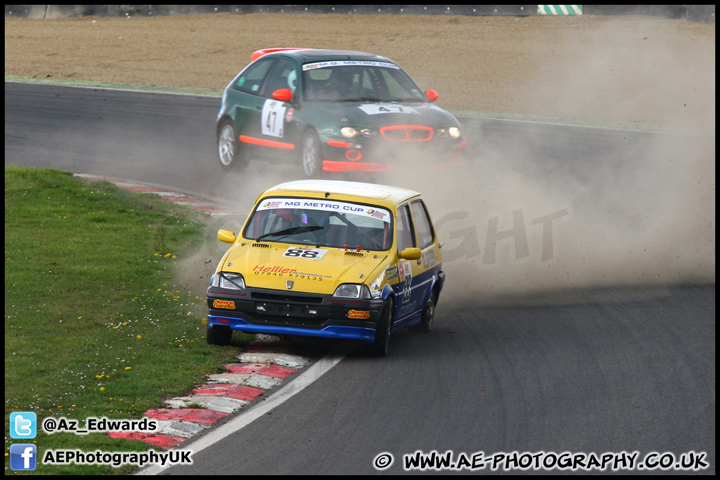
(423, 227)
(252, 78)
(405, 234)
(283, 75)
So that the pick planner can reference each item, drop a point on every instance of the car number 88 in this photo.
(312, 253)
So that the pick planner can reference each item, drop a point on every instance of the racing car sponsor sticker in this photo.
(376, 213)
(342, 63)
(272, 118)
(310, 276)
(305, 252)
(376, 109)
(229, 304)
(359, 314)
(272, 269)
(392, 272)
(404, 269)
(269, 205)
(428, 259)
(326, 205)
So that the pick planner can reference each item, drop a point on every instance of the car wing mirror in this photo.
(226, 236)
(410, 253)
(431, 95)
(282, 94)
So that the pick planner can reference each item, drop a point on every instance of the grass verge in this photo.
(95, 324)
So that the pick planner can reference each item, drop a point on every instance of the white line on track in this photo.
(306, 378)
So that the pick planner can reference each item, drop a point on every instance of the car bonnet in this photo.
(266, 265)
(378, 114)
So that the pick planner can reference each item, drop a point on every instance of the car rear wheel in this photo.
(228, 146)
(311, 158)
(382, 335)
(219, 335)
(428, 315)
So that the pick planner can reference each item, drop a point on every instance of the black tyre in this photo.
(428, 315)
(310, 156)
(382, 335)
(228, 147)
(219, 335)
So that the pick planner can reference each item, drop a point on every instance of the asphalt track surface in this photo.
(609, 370)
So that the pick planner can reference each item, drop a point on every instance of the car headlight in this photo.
(348, 132)
(454, 132)
(352, 290)
(352, 132)
(231, 281)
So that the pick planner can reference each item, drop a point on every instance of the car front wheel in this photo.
(311, 158)
(382, 334)
(219, 335)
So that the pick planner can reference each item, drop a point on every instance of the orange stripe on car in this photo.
(266, 143)
(338, 143)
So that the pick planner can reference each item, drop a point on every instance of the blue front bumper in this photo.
(331, 331)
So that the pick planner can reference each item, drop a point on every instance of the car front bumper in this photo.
(339, 156)
(294, 313)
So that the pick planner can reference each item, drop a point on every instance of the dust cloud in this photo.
(511, 229)
(632, 210)
(541, 211)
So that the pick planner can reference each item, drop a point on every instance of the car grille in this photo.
(338, 309)
(285, 298)
(407, 133)
(289, 321)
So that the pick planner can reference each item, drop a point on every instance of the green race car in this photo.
(333, 111)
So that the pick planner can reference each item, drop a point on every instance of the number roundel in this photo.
(295, 252)
(310, 253)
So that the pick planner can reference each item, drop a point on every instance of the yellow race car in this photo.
(328, 259)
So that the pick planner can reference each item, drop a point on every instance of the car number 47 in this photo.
(272, 118)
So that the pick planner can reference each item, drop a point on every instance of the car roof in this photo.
(343, 190)
(315, 54)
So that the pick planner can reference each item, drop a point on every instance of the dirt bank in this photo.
(617, 69)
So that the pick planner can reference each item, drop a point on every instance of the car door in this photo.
(429, 263)
(247, 101)
(406, 298)
(277, 131)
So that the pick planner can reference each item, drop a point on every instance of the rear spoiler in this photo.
(265, 51)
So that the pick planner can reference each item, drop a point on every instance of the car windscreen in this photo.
(321, 223)
(358, 81)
